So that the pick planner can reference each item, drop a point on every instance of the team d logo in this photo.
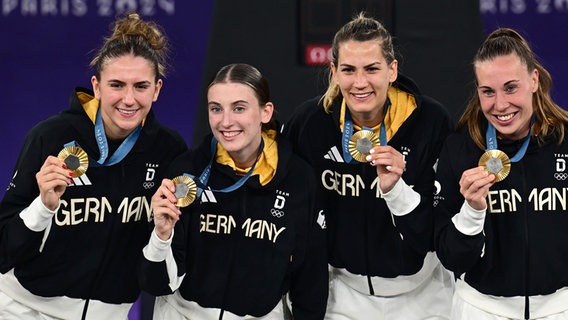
(560, 173)
(278, 207)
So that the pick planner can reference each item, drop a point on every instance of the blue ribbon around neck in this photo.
(102, 143)
(348, 132)
(491, 141)
(204, 177)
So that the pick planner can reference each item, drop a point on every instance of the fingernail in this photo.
(64, 166)
(70, 173)
(372, 151)
(389, 168)
(368, 158)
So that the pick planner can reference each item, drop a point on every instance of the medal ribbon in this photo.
(204, 177)
(348, 132)
(102, 142)
(491, 141)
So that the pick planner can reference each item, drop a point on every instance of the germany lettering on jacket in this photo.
(545, 199)
(80, 210)
(259, 229)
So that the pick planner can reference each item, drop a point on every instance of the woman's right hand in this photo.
(474, 186)
(52, 180)
(166, 213)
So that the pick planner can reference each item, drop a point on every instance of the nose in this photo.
(128, 98)
(227, 119)
(501, 102)
(360, 79)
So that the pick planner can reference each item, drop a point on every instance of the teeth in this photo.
(230, 134)
(505, 117)
(361, 95)
(127, 111)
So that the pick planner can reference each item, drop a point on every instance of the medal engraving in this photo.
(181, 190)
(186, 190)
(361, 143)
(364, 145)
(72, 162)
(497, 163)
(75, 159)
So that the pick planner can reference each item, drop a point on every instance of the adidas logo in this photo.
(207, 196)
(81, 181)
(334, 155)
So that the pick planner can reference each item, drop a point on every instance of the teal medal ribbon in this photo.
(348, 133)
(102, 143)
(204, 177)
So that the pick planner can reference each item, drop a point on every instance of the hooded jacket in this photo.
(365, 237)
(513, 254)
(91, 247)
(241, 251)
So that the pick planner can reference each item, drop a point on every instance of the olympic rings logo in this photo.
(277, 213)
(561, 176)
(148, 185)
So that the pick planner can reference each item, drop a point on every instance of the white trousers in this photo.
(175, 307)
(462, 310)
(11, 309)
(430, 300)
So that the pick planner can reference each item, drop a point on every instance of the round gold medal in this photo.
(75, 158)
(186, 190)
(497, 163)
(361, 143)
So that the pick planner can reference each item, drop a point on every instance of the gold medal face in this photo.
(76, 160)
(497, 163)
(186, 190)
(361, 143)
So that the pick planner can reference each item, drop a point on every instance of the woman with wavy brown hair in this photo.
(501, 208)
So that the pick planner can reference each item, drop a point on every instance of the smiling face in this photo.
(126, 90)
(505, 89)
(364, 77)
(236, 117)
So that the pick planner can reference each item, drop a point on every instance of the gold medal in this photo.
(186, 190)
(361, 143)
(497, 163)
(76, 160)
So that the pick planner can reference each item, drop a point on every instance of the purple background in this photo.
(45, 53)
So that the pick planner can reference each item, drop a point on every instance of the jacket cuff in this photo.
(156, 250)
(469, 221)
(37, 217)
(402, 199)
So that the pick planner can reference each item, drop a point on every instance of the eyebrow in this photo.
(232, 103)
(367, 66)
(136, 83)
(505, 84)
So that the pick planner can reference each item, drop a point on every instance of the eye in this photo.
(347, 70)
(214, 108)
(115, 85)
(239, 108)
(142, 86)
(511, 88)
(372, 69)
(487, 92)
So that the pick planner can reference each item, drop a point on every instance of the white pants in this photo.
(175, 307)
(431, 300)
(11, 309)
(462, 310)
